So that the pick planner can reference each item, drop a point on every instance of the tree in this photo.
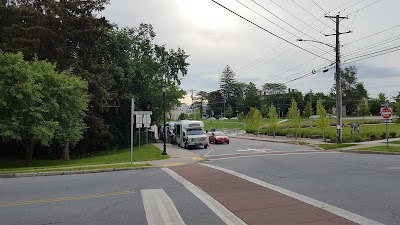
(323, 121)
(363, 108)
(252, 98)
(308, 110)
(294, 115)
(215, 102)
(273, 119)
(396, 106)
(229, 112)
(197, 114)
(200, 98)
(264, 110)
(352, 90)
(274, 88)
(40, 105)
(255, 118)
(239, 96)
(226, 85)
(183, 116)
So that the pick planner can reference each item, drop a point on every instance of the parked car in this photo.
(223, 118)
(234, 118)
(211, 118)
(218, 137)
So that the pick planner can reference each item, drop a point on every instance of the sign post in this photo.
(132, 121)
(387, 114)
(142, 120)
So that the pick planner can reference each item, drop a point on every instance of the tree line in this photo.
(238, 97)
(67, 77)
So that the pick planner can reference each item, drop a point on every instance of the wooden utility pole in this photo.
(338, 79)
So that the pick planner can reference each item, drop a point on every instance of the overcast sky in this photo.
(214, 38)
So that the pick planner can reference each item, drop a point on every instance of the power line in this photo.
(364, 7)
(372, 47)
(267, 30)
(352, 5)
(379, 32)
(295, 16)
(311, 14)
(290, 26)
(327, 14)
(340, 6)
(373, 54)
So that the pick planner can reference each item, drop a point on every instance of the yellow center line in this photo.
(49, 200)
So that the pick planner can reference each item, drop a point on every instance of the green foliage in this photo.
(197, 115)
(241, 117)
(308, 110)
(273, 119)
(226, 84)
(252, 98)
(183, 116)
(323, 121)
(274, 88)
(255, 118)
(334, 146)
(264, 110)
(229, 112)
(363, 108)
(39, 105)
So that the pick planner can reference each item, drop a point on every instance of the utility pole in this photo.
(338, 78)
(192, 101)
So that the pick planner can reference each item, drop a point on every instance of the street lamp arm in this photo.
(317, 42)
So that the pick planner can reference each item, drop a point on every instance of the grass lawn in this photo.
(334, 146)
(382, 148)
(395, 142)
(146, 152)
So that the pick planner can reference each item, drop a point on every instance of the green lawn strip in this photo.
(382, 148)
(145, 153)
(299, 142)
(395, 142)
(51, 169)
(334, 146)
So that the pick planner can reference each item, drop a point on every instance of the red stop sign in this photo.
(386, 112)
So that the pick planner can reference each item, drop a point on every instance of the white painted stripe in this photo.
(208, 152)
(335, 210)
(227, 216)
(232, 154)
(267, 154)
(393, 168)
(159, 208)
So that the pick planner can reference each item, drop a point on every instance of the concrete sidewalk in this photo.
(316, 142)
(179, 156)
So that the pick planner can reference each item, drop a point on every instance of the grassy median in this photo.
(334, 146)
(382, 148)
(145, 153)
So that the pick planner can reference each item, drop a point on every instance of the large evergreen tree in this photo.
(226, 86)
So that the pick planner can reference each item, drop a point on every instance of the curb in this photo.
(255, 139)
(57, 173)
(368, 152)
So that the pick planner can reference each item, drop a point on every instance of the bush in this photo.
(392, 134)
(383, 135)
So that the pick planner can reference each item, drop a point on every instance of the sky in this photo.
(213, 37)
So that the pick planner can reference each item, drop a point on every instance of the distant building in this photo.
(183, 108)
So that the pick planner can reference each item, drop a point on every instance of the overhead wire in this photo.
(356, 11)
(371, 35)
(311, 14)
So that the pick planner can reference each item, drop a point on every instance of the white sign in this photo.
(143, 118)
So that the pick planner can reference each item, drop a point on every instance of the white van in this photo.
(189, 134)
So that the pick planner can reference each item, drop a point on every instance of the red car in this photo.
(218, 138)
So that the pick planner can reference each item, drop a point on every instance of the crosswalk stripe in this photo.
(159, 208)
(227, 216)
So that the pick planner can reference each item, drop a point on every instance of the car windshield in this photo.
(195, 132)
(219, 134)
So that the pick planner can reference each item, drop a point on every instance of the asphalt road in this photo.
(367, 185)
(103, 198)
(363, 184)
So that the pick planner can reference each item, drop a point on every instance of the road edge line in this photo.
(223, 213)
(330, 208)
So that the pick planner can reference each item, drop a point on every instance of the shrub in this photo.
(392, 134)
(383, 135)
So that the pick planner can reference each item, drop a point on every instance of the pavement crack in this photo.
(113, 205)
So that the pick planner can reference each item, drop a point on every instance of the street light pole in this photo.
(164, 89)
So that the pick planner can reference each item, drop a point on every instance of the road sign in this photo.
(386, 113)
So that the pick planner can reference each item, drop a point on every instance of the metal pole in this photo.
(132, 109)
(165, 135)
(147, 136)
(338, 87)
(139, 136)
(387, 135)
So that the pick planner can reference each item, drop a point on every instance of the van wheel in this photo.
(205, 146)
